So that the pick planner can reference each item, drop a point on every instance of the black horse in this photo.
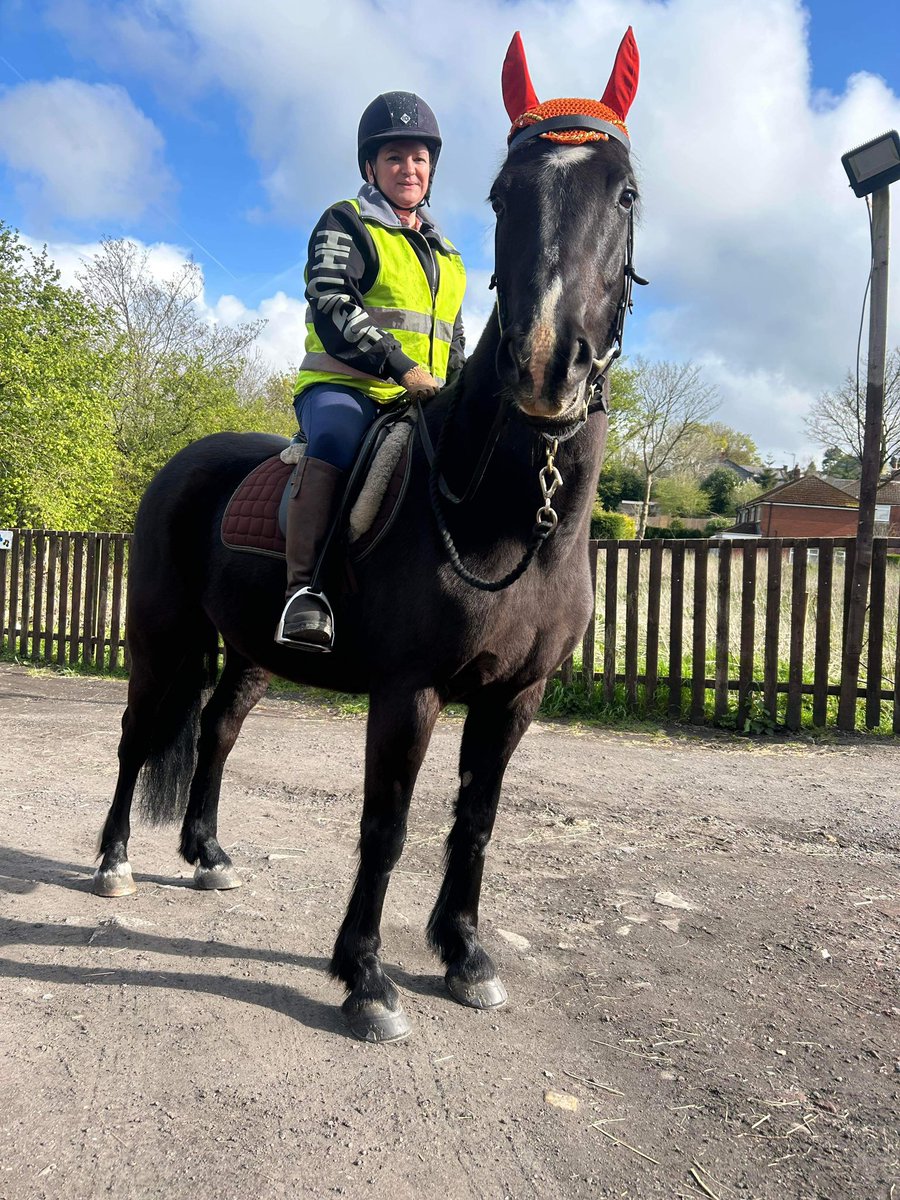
(415, 632)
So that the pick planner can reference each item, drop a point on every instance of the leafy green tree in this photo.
(842, 466)
(58, 359)
(681, 496)
(181, 375)
(623, 403)
(720, 486)
(768, 476)
(744, 493)
(617, 483)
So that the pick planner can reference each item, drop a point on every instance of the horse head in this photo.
(564, 202)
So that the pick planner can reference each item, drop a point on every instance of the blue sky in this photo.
(221, 129)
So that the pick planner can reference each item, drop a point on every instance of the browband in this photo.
(569, 121)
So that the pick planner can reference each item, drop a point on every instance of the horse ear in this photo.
(518, 92)
(623, 82)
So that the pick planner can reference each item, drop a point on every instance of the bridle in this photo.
(552, 433)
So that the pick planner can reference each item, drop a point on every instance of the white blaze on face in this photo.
(543, 335)
(552, 203)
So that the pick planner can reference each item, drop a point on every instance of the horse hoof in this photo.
(377, 1023)
(490, 993)
(114, 882)
(216, 879)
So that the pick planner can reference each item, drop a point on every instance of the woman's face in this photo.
(402, 169)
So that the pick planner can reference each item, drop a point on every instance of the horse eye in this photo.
(627, 199)
(497, 205)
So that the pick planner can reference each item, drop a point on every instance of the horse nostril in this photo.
(584, 354)
(509, 358)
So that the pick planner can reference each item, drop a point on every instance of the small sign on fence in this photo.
(5, 539)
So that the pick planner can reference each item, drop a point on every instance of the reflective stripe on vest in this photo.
(400, 299)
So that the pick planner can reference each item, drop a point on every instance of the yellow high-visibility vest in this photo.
(400, 300)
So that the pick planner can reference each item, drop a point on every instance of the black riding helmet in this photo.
(391, 117)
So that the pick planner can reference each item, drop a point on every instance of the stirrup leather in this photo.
(322, 600)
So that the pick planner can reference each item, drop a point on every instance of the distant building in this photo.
(810, 506)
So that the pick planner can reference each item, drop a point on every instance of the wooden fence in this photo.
(62, 597)
(691, 625)
(705, 631)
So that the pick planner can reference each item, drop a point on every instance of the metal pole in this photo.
(871, 461)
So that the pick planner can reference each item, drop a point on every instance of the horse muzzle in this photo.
(545, 373)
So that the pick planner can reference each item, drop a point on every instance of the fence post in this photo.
(698, 645)
(798, 633)
(823, 633)
(676, 629)
(610, 600)
(874, 666)
(723, 617)
(632, 586)
(775, 553)
(748, 629)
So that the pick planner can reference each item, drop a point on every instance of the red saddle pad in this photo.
(251, 518)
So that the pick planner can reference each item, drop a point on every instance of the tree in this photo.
(720, 486)
(837, 419)
(744, 493)
(672, 401)
(181, 374)
(58, 358)
(681, 496)
(623, 401)
(617, 483)
(840, 465)
(711, 442)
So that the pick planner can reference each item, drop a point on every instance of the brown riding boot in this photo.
(307, 621)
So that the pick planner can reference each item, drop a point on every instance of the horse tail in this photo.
(165, 779)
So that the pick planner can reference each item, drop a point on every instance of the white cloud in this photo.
(81, 150)
(755, 246)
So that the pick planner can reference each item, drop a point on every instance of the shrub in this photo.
(716, 525)
(675, 530)
(611, 525)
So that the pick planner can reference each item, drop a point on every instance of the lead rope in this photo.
(546, 519)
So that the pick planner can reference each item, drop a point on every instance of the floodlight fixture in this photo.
(874, 165)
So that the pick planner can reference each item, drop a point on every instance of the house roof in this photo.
(888, 492)
(808, 489)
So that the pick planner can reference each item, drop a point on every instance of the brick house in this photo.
(813, 507)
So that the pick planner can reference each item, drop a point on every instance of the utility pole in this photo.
(871, 461)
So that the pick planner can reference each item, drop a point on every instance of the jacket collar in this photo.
(374, 207)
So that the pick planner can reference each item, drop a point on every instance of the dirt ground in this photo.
(183, 1044)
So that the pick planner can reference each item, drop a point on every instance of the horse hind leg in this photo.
(241, 685)
(172, 665)
(494, 726)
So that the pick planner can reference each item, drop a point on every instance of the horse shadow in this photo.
(280, 998)
(21, 872)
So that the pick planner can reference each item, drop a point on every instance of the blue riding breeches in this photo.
(335, 420)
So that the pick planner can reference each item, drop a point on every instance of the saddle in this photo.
(255, 516)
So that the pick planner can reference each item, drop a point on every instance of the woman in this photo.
(385, 292)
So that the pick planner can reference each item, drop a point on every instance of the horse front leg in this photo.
(398, 732)
(493, 728)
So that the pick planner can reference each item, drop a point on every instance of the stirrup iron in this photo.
(312, 647)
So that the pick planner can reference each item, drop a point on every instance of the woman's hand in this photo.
(419, 383)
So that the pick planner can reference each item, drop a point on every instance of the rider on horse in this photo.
(385, 291)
